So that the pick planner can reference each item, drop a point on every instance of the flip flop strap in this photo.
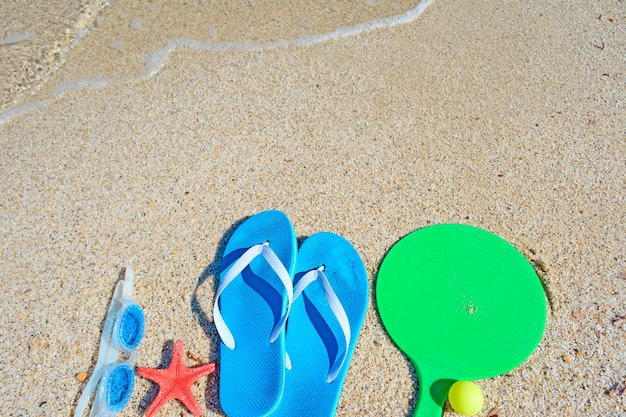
(337, 309)
(237, 267)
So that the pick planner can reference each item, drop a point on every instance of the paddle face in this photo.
(462, 303)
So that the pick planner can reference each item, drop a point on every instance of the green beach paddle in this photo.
(462, 303)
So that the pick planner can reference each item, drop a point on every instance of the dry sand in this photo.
(509, 116)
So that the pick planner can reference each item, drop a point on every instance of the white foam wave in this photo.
(19, 38)
(158, 58)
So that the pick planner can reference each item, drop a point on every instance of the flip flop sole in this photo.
(252, 374)
(314, 336)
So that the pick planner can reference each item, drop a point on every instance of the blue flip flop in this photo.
(251, 306)
(330, 301)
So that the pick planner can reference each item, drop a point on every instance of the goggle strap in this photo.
(89, 389)
(129, 281)
(104, 354)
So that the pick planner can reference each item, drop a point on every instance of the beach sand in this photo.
(509, 116)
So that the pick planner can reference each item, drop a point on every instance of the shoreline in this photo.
(158, 58)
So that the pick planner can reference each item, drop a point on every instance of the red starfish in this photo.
(175, 381)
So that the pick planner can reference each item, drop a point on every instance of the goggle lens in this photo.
(131, 327)
(119, 381)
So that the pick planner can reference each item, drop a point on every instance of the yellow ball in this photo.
(466, 398)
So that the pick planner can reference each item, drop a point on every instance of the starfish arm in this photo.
(187, 377)
(177, 354)
(165, 388)
(153, 374)
(199, 371)
(186, 397)
(158, 402)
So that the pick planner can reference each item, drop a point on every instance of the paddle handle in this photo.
(433, 392)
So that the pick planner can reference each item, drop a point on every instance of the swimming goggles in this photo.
(123, 331)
